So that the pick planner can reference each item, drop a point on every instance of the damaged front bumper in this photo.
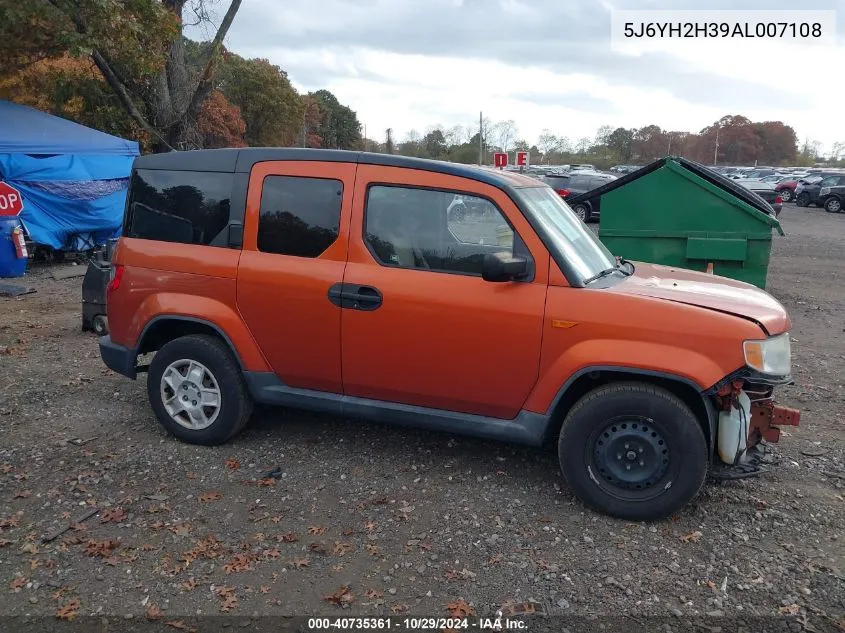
(747, 415)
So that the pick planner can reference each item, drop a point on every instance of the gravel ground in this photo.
(368, 519)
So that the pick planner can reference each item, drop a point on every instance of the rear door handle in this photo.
(355, 297)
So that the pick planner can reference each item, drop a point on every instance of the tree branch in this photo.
(199, 91)
(125, 98)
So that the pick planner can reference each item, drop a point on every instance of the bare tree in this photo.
(505, 132)
(547, 143)
(457, 135)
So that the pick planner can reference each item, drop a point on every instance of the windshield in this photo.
(578, 245)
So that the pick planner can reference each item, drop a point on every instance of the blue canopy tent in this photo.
(73, 179)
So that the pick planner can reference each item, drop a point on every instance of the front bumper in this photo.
(118, 358)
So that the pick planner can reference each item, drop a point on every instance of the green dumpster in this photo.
(679, 213)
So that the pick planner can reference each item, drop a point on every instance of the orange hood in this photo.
(707, 291)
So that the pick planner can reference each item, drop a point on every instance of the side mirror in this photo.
(500, 267)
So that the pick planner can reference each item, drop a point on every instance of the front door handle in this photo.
(355, 297)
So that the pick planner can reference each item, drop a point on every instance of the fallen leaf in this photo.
(318, 548)
(264, 589)
(692, 537)
(369, 526)
(271, 554)
(379, 501)
(210, 496)
(316, 529)
(34, 564)
(399, 608)
(494, 560)
(425, 546)
(29, 548)
(101, 548)
(68, 611)
(450, 574)
(792, 609)
(11, 522)
(232, 463)
(228, 600)
(341, 548)
(239, 562)
(6, 469)
(146, 547)
(180, 625)
(4, 542)
(191, 475)
(153, 612)
(460, 609)
(348, 532)
(58, 593)
(267, 482)
(373, 594)
(299, 563)
(190, 584)
(17, 584)
(342, 597)
(290, 537)
(373, 550)
(23, 494)
(112, 515)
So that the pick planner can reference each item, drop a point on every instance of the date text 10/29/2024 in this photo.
(496, 623)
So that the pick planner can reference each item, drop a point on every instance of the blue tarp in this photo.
(73, 179)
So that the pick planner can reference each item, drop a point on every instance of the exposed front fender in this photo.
(665, 361)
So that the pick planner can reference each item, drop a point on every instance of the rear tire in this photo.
(633, 451)
(100, 325)
(833, 205)
(786, 194)
(209, 368)
(582, 211)
(802, 199)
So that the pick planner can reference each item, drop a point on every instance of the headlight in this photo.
(824, 191)
(772, 356)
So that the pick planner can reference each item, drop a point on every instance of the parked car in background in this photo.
(809, 192)
(765, 190)
(832, 197)
(579, 182)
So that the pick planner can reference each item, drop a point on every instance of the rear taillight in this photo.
(562, 192)
(778, 199)
(116, 278)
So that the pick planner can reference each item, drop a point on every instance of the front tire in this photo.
(197, 391)
(786, 194)
(633, 451)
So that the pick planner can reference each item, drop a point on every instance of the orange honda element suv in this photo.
(339, 281)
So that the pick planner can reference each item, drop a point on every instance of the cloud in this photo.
(420, 59)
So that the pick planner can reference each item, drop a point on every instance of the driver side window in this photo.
(435, 230)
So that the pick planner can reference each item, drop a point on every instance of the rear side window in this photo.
(189, 207)
(299, 216)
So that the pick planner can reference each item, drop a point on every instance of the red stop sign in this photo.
(11, 202)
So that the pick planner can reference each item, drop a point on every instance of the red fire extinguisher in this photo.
(20, 244)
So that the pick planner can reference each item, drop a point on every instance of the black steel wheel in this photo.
(633, 451)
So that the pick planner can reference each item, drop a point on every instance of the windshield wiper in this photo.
(604, 273)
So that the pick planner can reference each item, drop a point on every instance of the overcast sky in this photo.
(409, 64)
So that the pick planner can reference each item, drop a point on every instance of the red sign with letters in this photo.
(500, 160)
(522, 159)
(11, 202)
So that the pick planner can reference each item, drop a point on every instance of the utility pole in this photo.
(480, 139)
(365, 137)
(669, 149)
(716, 151)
